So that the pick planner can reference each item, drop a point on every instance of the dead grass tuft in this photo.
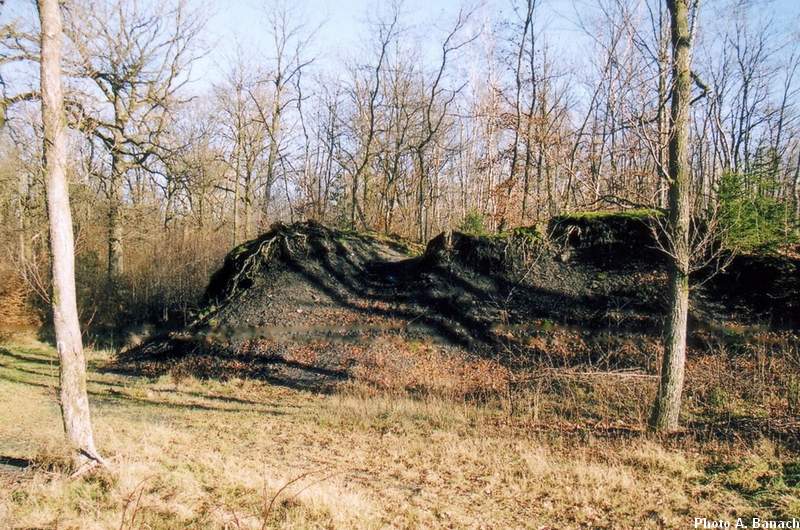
(396, 365)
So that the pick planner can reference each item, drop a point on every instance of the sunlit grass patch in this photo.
(199, 453)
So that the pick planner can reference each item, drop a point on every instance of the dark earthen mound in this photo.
(310, 306)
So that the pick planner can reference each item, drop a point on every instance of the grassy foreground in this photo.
(245, 454)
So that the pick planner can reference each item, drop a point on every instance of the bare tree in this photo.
(73, 398)
(520, 62)
(365, 98)
(290, 41)
(135, 65)
(246, 142)
(666, 409)
(436, 104)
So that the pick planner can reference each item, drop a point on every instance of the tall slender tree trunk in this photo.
(73, 397)
(526, 177)
(796, 190)
(421, 227)
(22, 217)
(663, 125)
(272, 158)
(115, 248)
(666, 409)
(235, 223)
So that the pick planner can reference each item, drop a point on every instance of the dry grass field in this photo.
(245, 454)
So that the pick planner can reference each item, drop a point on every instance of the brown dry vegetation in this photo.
(188, 453)
(268, 418)
(15, 311)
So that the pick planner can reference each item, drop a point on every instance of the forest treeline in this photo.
(480, 123)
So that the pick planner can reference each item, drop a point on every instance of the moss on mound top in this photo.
(641, 214)
(622, 234)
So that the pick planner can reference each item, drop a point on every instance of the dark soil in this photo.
(302, 303)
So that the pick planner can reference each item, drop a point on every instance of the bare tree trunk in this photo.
(796, 190)
(73, 397)
(114, 194)
(22, 217)
(666, 409)
(662, 124)
(115, 263)
(274, 132)
(235, 223)
(518, 99)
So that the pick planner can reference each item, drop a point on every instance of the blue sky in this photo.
(343, 25)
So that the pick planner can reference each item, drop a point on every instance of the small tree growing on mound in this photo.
(473, 224)
(750, 215)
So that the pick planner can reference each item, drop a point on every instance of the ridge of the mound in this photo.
(284, 244)
(623, 233)
(306, 304)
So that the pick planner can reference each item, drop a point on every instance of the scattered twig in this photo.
(129, 499)
(268, 507)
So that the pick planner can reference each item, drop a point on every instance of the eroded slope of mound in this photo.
(306, 305)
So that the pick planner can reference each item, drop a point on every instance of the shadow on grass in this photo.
(12, 467)
(732, 428)
(10, 461)
(32, 359)
(113, 396)
(109, 394)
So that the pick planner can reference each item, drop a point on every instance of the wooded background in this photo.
(479, 125)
